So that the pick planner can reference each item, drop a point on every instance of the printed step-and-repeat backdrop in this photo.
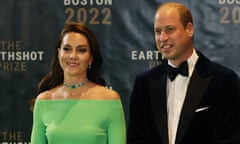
(29, 32)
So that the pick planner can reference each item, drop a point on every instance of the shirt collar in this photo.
(192, 60)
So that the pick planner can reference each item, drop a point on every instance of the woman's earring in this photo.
(89, 66)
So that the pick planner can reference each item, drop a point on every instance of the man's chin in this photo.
(166, 56)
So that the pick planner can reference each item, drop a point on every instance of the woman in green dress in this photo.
(73, 105)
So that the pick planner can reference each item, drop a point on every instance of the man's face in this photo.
(172, 39)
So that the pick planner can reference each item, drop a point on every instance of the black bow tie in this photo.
(173, 72)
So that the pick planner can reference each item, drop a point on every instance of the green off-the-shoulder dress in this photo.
(77, 121)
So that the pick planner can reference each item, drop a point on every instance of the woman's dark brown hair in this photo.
(55, 75)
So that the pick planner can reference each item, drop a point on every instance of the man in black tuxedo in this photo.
(188, 99)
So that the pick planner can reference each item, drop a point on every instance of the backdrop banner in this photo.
(29, 31)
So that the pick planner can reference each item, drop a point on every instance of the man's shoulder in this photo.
(208, 66)
(222, 70)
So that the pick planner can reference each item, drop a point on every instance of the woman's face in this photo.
(74, 54)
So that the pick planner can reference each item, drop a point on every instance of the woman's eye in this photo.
(82, 49)
(66, 49)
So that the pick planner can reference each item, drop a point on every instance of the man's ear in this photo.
(190, 29)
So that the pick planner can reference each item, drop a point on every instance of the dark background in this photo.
(37, 24)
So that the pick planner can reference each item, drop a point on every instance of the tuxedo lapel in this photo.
(195, 91)
(157, 89)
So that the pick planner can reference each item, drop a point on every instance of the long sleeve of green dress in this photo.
(78, 122)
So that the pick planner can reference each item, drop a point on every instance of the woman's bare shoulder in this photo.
(50, 94)
(46, 95)
(108, 93)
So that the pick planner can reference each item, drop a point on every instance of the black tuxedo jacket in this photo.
(210, 113)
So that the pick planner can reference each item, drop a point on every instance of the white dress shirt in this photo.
(176, 92)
